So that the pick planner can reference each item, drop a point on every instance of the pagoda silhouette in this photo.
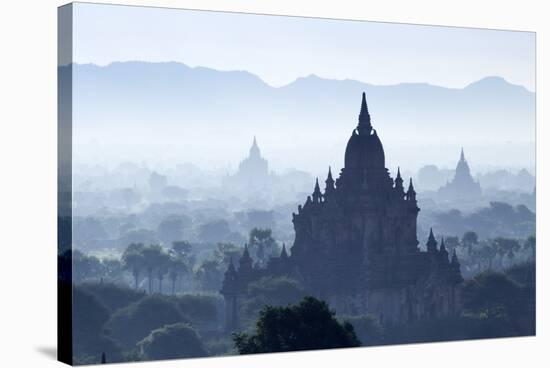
(356, 245)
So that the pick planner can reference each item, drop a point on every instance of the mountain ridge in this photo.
(132, 103)
(490, 78)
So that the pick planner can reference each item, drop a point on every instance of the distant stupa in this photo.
(463, 186)
(254, 165)
(253, 172)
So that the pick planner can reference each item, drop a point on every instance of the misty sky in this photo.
(281, 49)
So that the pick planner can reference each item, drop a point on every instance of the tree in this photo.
(184, 260)
(89, 316)
(209, 275)
(274, 291)
(172, 342)
(155, 259)
(492, 295)
(451, 243)
(262, 245)
(163, 266)
(304, 326)
(502, 211)
(135, 321)
(133, 259)
(486, 253)
(506, 248)
(469, 240)
(210, 272)
(85, 267)
(176, 267)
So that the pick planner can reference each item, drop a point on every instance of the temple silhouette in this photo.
(254, 165)
(356, 245)
(463, 186)
(253, 172)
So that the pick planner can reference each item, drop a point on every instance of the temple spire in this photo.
(399, 182)
(443, 250)
(455, 268)
(317, 192)
(329, 182)
(284, 254)
(229, 285)
(245, 263)
(364, 126)
(411, 194)
(254, 149)
(432, 243)
(462, 154)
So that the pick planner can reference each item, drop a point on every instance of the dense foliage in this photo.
(90, 341)
(158, 302)
(134, 322)
(305, 326)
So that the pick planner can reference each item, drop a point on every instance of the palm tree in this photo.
(133, 259)
(181, 261)
(162, 264)
(176, 268)
(151, 255)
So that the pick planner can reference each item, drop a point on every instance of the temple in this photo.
(463, 186)
(254, 165)
(356, 245)
(253, 172)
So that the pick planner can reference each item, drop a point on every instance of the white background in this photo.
(28, 182)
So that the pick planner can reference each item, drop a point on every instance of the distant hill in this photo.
(170, 101)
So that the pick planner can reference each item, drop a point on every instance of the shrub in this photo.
(172, 342)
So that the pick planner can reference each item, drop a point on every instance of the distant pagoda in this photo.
(463, 186)
(254, 165)
(253, 172)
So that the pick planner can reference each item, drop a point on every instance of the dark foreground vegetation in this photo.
(131, 325)
(158, 302)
